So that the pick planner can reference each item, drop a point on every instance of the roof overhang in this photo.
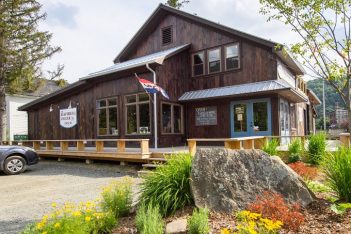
(292, 63)
(264, 87)
(313, 97)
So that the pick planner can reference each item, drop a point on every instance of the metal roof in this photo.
(258, 87)
(157, 57)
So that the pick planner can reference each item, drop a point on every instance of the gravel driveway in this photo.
(27, 197)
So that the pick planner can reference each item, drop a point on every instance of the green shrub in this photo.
(117, 198)
(169, 185)
(337, 168)
(270, 147)
(148, 220)
(317, 187)
(198, 222)
(316, 148)
(295, 150)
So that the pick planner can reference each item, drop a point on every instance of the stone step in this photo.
(150, 165)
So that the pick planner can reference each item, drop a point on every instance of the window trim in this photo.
(136, 103)
(172, 119)
(107, 107)
(225, 56)
(165, 28)
(220, 60)
(193, 63)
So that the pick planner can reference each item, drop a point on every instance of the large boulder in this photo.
(228, 180)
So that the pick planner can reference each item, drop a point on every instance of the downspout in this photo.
(155, 106)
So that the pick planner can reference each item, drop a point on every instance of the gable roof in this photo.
(163, 10)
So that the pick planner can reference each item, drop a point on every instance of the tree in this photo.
(23, 48)
(324, 29)
(177, 3)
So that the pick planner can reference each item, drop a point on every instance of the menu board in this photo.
(206, 116)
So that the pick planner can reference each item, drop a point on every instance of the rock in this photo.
(177, 226)
(228, 180)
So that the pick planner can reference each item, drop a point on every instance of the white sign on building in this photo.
(68, 117)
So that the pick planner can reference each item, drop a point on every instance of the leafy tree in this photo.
(177, 3)
(324, 27)
(23, 48)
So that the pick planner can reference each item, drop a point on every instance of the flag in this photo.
(151, 87)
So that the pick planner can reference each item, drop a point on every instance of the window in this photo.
(138, 114)
(172, 122)
(198, 64)
(167, 35)
(214, 60)
(107, 116)
(232, 57)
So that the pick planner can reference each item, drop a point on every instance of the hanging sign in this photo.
(68, 117)
(206, 116)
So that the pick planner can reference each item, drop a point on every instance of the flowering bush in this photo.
(273, 206)
(306, 172)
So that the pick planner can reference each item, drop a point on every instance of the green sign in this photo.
(20, 137)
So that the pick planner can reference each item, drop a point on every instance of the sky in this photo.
(92, 32)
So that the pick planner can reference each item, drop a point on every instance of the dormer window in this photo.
(167, 35)
(214, 60)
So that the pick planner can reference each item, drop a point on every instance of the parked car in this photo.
(15, 159)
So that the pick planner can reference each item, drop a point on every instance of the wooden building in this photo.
(221, 82)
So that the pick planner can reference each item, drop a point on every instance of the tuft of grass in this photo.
(117, 197)
(270, 147)
(198, 222)
(316, 148)
(148, 220)
(337, 168)
(295, 150)
(317, 187)
(169, 185)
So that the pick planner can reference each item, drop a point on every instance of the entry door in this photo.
(251, 118)
(284, 122)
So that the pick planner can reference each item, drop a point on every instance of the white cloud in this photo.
(91, 33)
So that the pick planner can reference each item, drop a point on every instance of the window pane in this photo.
(198, 69)
(112, 117)
(232, 51)
(131, 120)
(143, 97)
(177, 118)
(214, 55)
(112, 102)
(166, 118)
(144, 118)
(199, 58)
(101, 103)
(102, 122)
(232, 63)
(214, 66)
(260, 110)
(131, 98)
(240, 121)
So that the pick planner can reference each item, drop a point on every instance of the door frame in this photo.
(250, 132)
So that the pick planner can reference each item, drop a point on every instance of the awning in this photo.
(157, 58)
(270, 86)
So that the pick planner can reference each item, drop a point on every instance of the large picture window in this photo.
(214, 60)
(107, 116)
(137, 114)
(172, 121)
(198, 64)
(232, 60)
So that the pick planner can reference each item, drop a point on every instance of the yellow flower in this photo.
(76, 213)
(54, 204)
(44, 233)
(57, 225)
(88, 218)
(40, 225)
(225, 231)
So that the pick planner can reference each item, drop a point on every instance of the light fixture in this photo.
(51, 109)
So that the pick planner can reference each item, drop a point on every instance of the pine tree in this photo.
(177, 3)
(23, 48)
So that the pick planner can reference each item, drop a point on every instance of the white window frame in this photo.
(220, 60)
(238, 56)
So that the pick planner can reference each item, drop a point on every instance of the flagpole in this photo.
(155, 106)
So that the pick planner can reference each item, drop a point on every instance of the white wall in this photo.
(285, 74)
(16, 121)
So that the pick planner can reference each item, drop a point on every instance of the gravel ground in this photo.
(27, 197)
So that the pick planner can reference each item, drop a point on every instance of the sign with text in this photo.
(206, 116)
(68, 117)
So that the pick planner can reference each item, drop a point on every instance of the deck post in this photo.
(49, 145)
(121, 146)
(80, 145)
(99, 146)
(192, 147)
(64, 145)
(230, 144)
(345, 139)
(36, 145)
(259, 143)
(144, 145)
(248, 144)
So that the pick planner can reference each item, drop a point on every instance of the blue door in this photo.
(251, 118)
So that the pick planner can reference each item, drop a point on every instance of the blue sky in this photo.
(91, 32)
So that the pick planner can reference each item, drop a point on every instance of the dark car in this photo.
(15, 159)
